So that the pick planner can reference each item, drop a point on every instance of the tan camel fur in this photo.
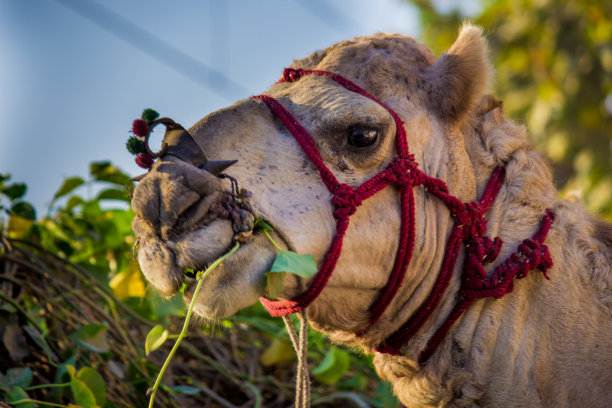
(546, 344)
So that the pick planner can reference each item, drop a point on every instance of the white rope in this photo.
(300, 344)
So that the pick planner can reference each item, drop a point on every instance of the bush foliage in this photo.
(80, 327)
(553, 70)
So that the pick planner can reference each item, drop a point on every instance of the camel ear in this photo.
(460, 77)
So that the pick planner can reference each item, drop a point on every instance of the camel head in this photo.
(180, 218)
(539, 346)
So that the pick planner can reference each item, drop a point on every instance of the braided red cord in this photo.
(470, 227)
(303, 138)
(458, 234)
(292, 75)
(531, 254)
(402, 171)
(285, 307)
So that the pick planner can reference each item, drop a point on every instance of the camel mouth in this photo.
(171, 264)
(255, 234)
(238, 282)
(186, 219)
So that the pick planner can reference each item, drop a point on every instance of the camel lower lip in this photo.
(190, 275)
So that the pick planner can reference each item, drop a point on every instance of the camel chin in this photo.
(237, 283)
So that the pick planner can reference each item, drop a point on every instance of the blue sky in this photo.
(75, 73)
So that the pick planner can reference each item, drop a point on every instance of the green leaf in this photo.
(142, 306)
(155, 338)
(259, 223)
(355, 382)
(94, 381)
(160, 306)
(39, 339)
(19, 377)
(265, 324)
(7, 307)
(274, 283)
(384, 396)
(68, 186)
(18, 394)
(93, 337)
(302, 265)
(113, 194)
(73, 202)
(185, 389)
(63, 375)
(71, 370)
(83, 396)
(63, 370)
(105, 171)
(23, 210)
(335, 363)
(98, 167)
(15, 191)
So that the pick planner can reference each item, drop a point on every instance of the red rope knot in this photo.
(483, 250)
(488, 251)
(530, 255)
(480, 249)
(470, 219)
(404, 172)
(480, 252)
(534, 256)
(345, 201)
(291, 75)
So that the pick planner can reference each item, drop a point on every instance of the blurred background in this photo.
(78, 323)
(75, 73)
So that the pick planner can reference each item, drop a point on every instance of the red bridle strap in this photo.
(402, 171)
(531, 254)
(469, 229)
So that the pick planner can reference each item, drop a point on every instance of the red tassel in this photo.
(140, 127)
(144, 160)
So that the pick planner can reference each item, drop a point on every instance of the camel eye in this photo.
(362, 137)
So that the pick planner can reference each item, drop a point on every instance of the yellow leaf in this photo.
(18, 226)
(129, 283)
(278, 352)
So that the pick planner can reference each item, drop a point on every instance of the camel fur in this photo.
(546, 344)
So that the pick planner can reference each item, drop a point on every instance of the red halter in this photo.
(469, 228)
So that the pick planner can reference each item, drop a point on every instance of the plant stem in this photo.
(200, 277)
(32, 401)
(272, 241)
(36, 387)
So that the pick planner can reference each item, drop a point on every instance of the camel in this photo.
(547, 342)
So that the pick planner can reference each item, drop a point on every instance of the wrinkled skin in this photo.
(547, 344)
